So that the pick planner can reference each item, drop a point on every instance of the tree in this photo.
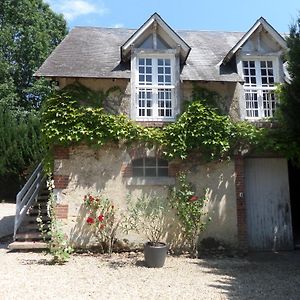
(29, 31)
(20, 141)
(289, 93)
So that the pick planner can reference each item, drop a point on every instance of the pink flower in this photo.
(193, 199)
(90, 220)
(91, 198)
(101, 218)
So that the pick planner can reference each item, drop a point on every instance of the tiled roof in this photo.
(91, 52)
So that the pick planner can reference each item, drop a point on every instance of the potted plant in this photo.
(147, 215)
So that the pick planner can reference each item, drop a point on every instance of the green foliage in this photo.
(189, 209)
(103, 220)
(65, 122)
(147, 215)
(20, 141)
(289, 94)
(29, 31)
(200, 128)
(53, 235)
(87, 97)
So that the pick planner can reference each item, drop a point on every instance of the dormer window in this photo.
(258, 55)
(155, 87)
(156, 54)
(259, 87)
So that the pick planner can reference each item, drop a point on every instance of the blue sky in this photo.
(226, 15)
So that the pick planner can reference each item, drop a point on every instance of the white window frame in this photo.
(144, 167)
(259, 89)
(154, 87)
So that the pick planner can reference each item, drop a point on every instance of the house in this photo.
(156, 67)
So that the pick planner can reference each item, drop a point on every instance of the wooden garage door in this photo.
(268, 204)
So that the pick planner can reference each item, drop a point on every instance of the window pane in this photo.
(150, 172)
(137, 172)
(150, 167)
(251, 103)
(138, 162)
(153, 72)
(162, 172)
(162, 162)
(145, 101)
(150, 161)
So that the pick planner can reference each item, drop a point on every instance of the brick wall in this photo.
(61, 181)
(240, 201)
(60, 152)
(61, 211)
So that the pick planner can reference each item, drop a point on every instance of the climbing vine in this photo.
(200, 127)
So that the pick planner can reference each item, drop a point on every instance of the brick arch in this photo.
(141, 152)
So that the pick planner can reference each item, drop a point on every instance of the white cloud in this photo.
(118, 25)
(71, 9)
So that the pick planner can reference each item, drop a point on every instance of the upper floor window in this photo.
(259, 88)
(155, 88)
(150, 167)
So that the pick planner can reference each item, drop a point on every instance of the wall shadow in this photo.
(257, 276)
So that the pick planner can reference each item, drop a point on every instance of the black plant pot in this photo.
(155, 254)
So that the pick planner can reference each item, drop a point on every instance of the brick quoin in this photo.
(60, 152)
(174, 169)
(240, 201)
(61, 211)
(61, 181)
(126, 170)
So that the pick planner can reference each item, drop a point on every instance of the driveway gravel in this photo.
(28, 275)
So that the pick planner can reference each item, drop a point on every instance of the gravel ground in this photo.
(29, 275)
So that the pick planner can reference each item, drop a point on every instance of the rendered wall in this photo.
(101, 171)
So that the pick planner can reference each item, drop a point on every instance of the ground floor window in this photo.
(150, 167)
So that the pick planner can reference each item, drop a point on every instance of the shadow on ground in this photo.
(257, 276)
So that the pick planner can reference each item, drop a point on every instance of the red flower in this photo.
(193, 199)
(90, 220)
(101, 218)
(91, 198)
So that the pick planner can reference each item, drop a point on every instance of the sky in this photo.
(216, 15)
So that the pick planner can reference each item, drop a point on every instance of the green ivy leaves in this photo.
(199, 128)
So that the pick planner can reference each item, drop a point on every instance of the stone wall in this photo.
(119, 101)
(102, 172)
(229, 95)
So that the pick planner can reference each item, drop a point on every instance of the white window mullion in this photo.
(155, 103)
(260, 103)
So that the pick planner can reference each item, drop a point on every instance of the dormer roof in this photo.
(260, 24)
(156, 25)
